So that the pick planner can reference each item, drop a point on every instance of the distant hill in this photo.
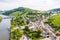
(24, 10)
(20, 9)
(57, 10)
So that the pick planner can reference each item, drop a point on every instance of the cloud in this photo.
(34, 4)
(7, 1)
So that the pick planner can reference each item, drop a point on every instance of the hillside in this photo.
(56, 10)
(20, 9)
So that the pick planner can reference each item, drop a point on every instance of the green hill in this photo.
(20, 9)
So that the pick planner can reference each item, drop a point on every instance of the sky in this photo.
(33, 4)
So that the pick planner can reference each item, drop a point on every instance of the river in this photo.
(4, 25)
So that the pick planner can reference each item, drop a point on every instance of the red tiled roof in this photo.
(58, 34)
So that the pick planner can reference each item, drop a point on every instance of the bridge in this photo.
(8, 17)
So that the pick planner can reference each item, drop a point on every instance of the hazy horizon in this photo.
(33, 4)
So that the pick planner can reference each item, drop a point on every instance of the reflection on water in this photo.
(4, 25)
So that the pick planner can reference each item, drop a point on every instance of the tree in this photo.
(16, 34)
(0, 18)
(33, 34)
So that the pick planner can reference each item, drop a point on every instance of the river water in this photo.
(4, 25)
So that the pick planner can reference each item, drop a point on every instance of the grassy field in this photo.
(56, 20)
